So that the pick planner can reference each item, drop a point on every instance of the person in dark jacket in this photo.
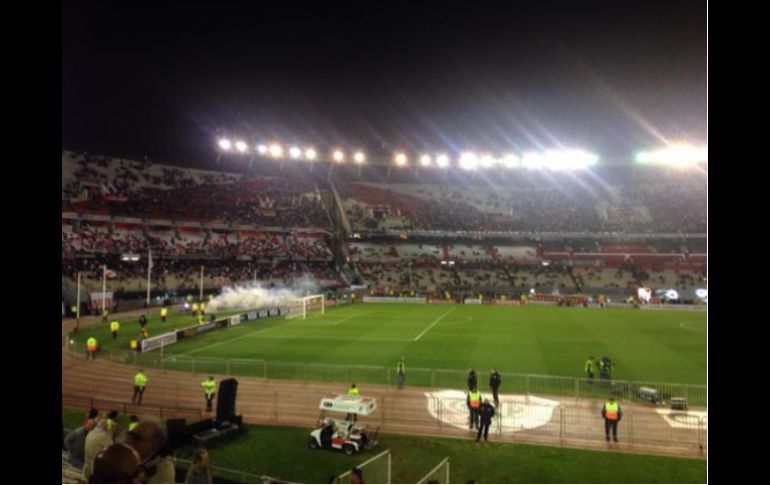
(494, 383)
(487, 413)
(473, 380)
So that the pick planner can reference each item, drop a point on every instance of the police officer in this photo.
(474, 407)
(140, 382)
(209, 386)
(605, 368)
(494, 383)
(91, 348)
(487, 413)
(163, 314)
(589, 367)
(353, 391)
(401, 372)
(473, 380)
(142, 321)
(114, 327)
(611, 413)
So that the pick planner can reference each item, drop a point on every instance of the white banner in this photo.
(153, 343)
(96, 300)
(236, 320)
(473, 301)
(392, 299)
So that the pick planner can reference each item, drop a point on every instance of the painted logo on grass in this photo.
(517, 412)
(684, 419)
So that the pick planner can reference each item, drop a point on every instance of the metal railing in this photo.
(162, 410)
(512, 383)
(439, 474)
(375, 470)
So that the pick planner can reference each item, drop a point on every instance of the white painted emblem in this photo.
(684, 419)
(516, 412)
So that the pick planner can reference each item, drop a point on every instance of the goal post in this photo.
(302, 307)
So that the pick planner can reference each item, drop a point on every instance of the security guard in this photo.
(195, 308)
(133, 421)
(200, 319)
(114, 327)
(611, 413)
(209, 386)
(401, 372)
(494, 383)
(140, 382)
(203, 308)
(163, 314)
(353, 391)
(104, 315)
(589, 367)
(473, 380)
(487, 413)
(91, 348)
(474, 406)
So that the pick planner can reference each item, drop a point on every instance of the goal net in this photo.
(302, 307)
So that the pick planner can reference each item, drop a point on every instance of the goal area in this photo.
(302, 307)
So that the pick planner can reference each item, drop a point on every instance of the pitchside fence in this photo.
(531, 419)
(440, 474)
(577, 388)
(375, 469)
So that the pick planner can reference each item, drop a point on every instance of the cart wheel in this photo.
(348, 449)
(313, 444)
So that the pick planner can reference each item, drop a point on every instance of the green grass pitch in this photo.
(656, 346)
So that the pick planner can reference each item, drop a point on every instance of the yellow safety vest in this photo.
(475, 399)
(353, 391)
(131, 426)
(163, 312)
(114, 326)
(203, 306)
(209, 386)
(611, 410)
(195, 307)
(140, 380)
(91, 344)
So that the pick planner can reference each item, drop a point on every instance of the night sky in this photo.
(160, 78)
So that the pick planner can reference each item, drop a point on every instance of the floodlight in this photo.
(310, 154)
(241, 146)
(295, 152)
(425, 160)
(359, 157)
(442, 160)
(401, 159)
(338, 156)
(225, 144)
(469, 161)
(276, 150)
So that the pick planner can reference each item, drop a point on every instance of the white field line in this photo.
(433, 323)
(310, 337)
(259, 330)
(348, 318)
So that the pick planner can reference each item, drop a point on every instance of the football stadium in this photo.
(294, 307)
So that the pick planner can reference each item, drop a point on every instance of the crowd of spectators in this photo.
(647, 208)
(97, 238)
(140, 189)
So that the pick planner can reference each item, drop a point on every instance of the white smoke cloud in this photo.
(250, 296)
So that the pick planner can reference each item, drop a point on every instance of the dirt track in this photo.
(295, 403)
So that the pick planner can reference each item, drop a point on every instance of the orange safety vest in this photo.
(611, 411)
(475, 399)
